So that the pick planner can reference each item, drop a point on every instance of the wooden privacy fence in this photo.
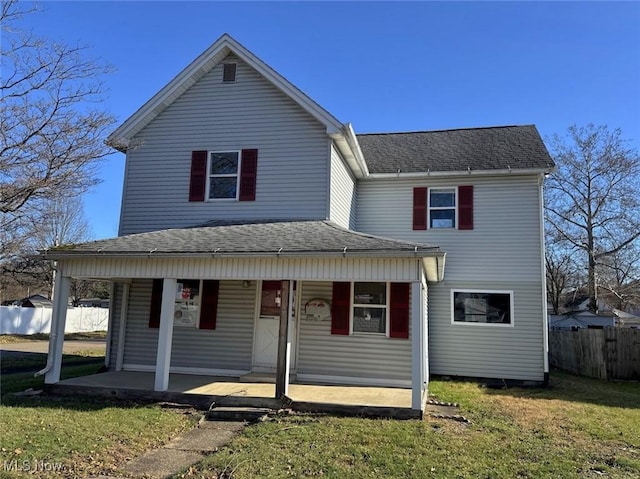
(609, 353)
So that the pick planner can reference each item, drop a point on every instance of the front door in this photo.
(267, 327)
(265, 351)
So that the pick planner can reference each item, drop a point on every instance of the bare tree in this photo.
(52, 125)
(592, 202)
(52, 130)
(561, 275)
(53, 222)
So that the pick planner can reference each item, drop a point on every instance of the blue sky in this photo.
(382, 66)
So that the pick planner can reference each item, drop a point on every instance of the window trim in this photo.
(430, 190)
(386, 306)
(225, 175)
(488, 291)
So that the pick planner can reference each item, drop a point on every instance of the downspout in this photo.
(545, 324)
(49, 365)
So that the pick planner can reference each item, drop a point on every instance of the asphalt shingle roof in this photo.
(297, 238)
(493, 148)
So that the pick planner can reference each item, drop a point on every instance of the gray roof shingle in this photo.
(492, 148)
(288, 238)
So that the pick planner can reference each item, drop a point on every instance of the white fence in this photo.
(17, 320)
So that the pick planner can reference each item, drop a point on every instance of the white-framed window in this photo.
(370, 308)
(442, 207)
(187, 303)
(223, 175)
(482, 307)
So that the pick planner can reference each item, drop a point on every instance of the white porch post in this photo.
(425, 333)
(165, 334)
(417, 345)
(58, 322)
(284, 340)
(122, 326)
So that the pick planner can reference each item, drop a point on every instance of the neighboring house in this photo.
(581, 319)
(33, 301)
(94, 303)
(259, 233)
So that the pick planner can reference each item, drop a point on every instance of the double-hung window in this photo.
(370, 306)
(442, 207)
(223, 175)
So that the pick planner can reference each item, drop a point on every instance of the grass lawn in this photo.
(577, 428)
(58, 437)
(22, 338)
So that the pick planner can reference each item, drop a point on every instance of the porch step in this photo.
(267, 378)
(247, 414)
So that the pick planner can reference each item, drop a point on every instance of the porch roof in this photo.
(244, 238)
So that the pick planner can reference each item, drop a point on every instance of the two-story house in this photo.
(260, 234)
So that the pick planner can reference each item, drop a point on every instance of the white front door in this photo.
(266, 343)
(267, 329)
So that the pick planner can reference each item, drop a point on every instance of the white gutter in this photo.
(262, 254)
(469, 172)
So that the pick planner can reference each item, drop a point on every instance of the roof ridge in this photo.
(446, 130)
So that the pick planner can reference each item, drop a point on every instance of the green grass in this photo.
(38, 361)
(576, 428)
(21, 338)
(81, 435)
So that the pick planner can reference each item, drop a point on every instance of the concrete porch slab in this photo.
(203, 391)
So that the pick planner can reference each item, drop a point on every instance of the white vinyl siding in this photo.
(141, 342)
(343, 192)
(293, 155)
(229, 346)
(369, 357)
(502, 252)
(504, 243)
(490, 352)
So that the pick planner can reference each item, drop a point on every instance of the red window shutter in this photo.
(209, 306)
(198, 175)
(156, 303)
(248, 175)
(465, 207)
(340, 305)
(399, 310)
(420, 208)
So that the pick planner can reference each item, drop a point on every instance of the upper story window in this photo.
(442, 207)
(224, 172)
(223, 175)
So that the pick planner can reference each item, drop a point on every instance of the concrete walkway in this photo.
(185, 450)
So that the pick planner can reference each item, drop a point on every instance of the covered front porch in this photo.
(205, 391)
(220, 276)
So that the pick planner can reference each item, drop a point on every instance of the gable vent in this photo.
(229, 72)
